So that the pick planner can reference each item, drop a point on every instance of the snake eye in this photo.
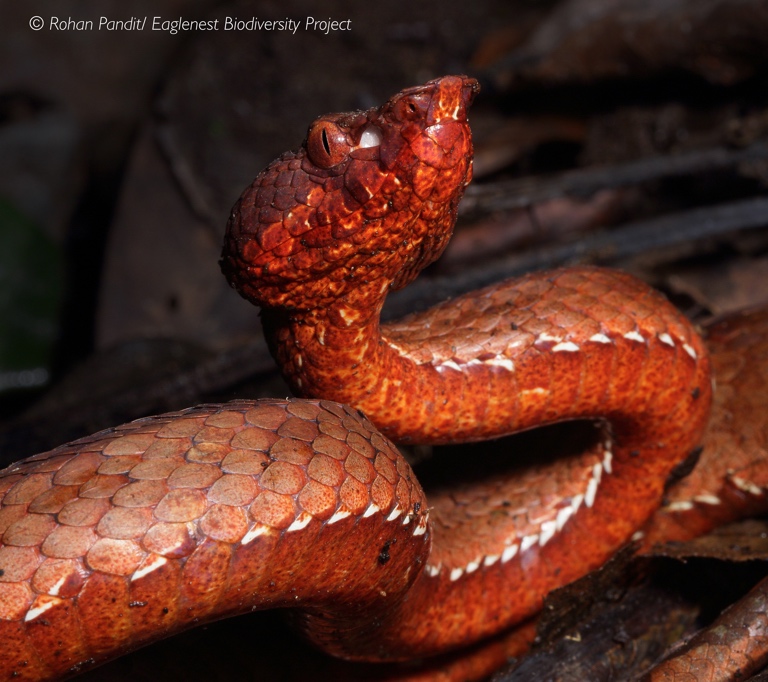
(412, 107)
(327, 144)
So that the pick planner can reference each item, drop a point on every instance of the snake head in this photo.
(367, 202)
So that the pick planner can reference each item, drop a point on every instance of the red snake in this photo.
(149, 528)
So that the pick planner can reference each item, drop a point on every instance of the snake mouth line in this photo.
(517, 518)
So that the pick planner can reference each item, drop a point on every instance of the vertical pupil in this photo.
(326, 144)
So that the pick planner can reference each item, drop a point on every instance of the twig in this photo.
(602, 248)
(585, 182)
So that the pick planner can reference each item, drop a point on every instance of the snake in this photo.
(305, 504)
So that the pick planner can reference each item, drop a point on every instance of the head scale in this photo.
(370, 197)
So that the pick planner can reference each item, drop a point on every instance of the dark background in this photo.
(626, 133)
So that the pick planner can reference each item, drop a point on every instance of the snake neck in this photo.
(342, 352)
(338, 352)
(446, 375)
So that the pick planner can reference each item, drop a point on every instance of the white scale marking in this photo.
(501, 361)
(347, 317)
(398, 349)
(508, 553)
(589, 497)
(40, 610)
(299, 361)
(597, 472)
(153, 565)
(681, 506)
(666, 338)
(747, 486)
(372, 509)
(562, 516)
(567, 346)
(339, 515)
(497, 361)
(300, 523)
(394, 514)
(54, 591)
(634, 336)
(472, 566)
(608, 459)
(548, 337)
(548, 530)
(707, 499)
(688, 349)
(599, 338)
(254, 533)
(420, 529)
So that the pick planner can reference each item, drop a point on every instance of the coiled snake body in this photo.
(143, 530)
